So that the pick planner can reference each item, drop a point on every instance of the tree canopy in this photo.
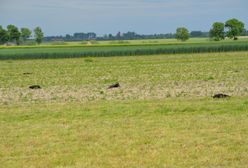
(25, 33)
(14, 34)
(3, 35)
(218, 31)
(235, 28)
(182, 34)
(38, 34)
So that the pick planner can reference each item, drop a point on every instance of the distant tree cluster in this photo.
(74, 37)
(234, 29)
(135, 36)
(13, 35)
(119, 36)
(199, 34)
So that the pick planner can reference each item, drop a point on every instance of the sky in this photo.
(60, 17)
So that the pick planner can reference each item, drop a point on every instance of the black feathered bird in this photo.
(35, 87)
(220, 95)
(116, 85)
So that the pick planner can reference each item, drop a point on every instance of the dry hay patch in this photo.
(140, 91)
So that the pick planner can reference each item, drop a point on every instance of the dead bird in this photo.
(116, 85)
(220, 95)
(35, 87)
(27, 73)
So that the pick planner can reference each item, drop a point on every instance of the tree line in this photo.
(233, 27)
(119, 36)
(13, 35)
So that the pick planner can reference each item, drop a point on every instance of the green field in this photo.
(163, 115)
(139, 42)
(121, 48)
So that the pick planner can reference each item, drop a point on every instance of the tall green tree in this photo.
(3, 35)
(38, 34)
(235, 28)
(217, 32)
(182, 34)
(14, 34)
(25, 33)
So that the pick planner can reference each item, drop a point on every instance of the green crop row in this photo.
(40, 53)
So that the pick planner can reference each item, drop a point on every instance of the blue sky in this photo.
(59, 17)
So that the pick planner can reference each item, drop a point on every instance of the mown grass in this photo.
(161, 133)
(163, 114)
(140, 77)
(63, 51)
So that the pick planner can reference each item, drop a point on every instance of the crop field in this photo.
(162, 115)
(127, 48)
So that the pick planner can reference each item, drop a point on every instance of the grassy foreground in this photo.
(163, 133)
(161, 116)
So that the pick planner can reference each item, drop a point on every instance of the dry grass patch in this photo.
(142, 78)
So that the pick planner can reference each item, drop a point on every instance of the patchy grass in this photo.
(161, 116)
(140, 77)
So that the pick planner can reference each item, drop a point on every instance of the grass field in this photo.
(143, 41)
(163, 114)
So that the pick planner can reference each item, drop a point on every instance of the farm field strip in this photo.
(74, 52)
(145, 42)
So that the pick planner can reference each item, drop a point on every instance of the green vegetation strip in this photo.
(104, 51)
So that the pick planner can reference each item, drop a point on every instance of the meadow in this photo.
(163, 115)
(140, 42)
